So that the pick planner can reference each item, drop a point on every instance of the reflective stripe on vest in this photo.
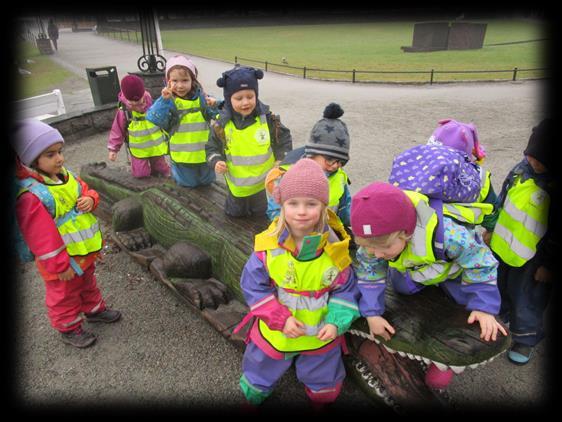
(303, 288)
(418, 258)
(337, 182)
(485, 182)
(249, 157)
(187, 144)
(145, 138)
(522, 223)
(471, 213)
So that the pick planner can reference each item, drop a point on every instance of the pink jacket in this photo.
(118, 132)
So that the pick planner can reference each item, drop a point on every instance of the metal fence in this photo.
(354, 73)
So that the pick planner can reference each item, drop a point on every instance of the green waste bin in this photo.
(104, 84)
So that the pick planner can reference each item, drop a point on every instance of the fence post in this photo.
(235, 59)
(353, 78)
(266, 66)
(431, 78)
(304, 72)
(514, 74)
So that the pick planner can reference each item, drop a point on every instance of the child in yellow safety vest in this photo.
(522, 236)
(185, 111)
(54, 214)
(301, 290)
(147, 144)
(398, 232)
(246, 141)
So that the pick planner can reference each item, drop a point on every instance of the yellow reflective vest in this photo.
(187, 144)
(145, 138)
(80, 231)
(418, 258)
(303, 286)
(249, 157)
(522, 222)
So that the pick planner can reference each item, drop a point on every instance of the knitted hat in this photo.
(541, 143)
(329, 136)
(458, 135)
(381, 208)
(132, 87)
(305, 179)
(179, 61)
(237, 79)
(32, 137)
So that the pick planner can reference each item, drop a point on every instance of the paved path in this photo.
(162, 353)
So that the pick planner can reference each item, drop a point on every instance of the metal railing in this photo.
(354, 73)
(124, 34)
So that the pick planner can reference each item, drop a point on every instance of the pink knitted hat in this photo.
(132, 87)
(180, 61)
(381, 208)
(305, 179)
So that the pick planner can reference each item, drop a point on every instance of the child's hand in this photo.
(543, 275)
(486, 236)
(293, 328)
(327, 332)
(66, 275)
(380, 326)
(167, 92)
(488, 325)
(112, 156)
(210, 101)
(220, 167)
(85, 203)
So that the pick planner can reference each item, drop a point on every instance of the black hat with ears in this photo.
(541, 143)
(239, 78)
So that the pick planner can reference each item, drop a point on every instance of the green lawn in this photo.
(45, 76)
(365, 46)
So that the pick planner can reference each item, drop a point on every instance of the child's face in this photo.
(302, 214)
(51, 160)
(138, 105)
(387, 251)
(537, 166)
(243, 101)
(179, 81)
(328, 164)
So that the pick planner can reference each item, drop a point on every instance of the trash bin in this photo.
(104, 84)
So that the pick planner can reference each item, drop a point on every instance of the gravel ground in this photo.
(162, 355)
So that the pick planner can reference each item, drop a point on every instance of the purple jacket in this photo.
(118, 132)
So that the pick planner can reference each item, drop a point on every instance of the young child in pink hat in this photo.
(184, 112)
(54, 214)
(301, 290)
(398, 229)
(146, 143)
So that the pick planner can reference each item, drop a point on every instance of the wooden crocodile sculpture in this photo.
(184, 238)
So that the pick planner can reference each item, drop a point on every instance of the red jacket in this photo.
(40, 232)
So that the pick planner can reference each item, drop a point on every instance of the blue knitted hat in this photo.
(237, 79)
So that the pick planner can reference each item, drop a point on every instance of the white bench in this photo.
(42, 106)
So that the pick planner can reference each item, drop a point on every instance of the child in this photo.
(464, 137)
(147, 144)
(245, 143)
(54, 213)
(523, 239)
(328, 145)
(397, 229)
(301, 289)
(191, 111)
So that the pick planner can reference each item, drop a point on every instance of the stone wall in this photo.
(78, 125)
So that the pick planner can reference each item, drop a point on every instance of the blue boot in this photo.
(520, 353)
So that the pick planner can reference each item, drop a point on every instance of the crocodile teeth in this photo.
(440, 366)
(457, 369)
(388, 349)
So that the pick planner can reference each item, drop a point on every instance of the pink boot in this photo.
(437, 379)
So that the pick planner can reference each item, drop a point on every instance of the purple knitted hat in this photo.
(458, 135)
(132, 87)
(305, 179)
(381, 208)
(32, 137)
